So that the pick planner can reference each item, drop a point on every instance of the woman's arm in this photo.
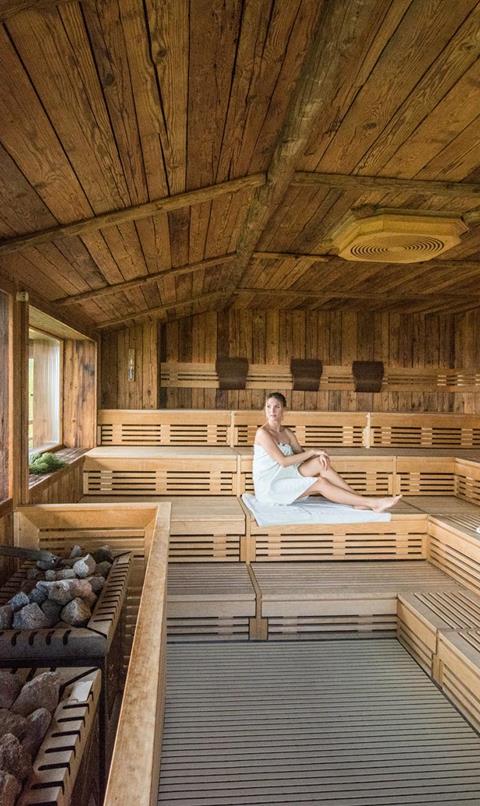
(267, 442)
(297, 448)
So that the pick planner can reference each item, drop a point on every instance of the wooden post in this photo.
(18, 351)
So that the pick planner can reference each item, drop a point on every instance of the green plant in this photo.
(42, 463)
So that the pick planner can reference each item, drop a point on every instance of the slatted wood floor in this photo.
(331, 723)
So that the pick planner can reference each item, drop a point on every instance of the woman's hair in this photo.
(278, 396)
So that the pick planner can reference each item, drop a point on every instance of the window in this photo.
(44, 391)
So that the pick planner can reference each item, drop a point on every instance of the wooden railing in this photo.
(135, 767)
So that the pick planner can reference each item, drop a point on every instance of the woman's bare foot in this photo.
(382, 504)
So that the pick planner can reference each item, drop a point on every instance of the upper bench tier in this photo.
(327, 429)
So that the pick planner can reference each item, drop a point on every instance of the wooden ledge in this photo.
(71, 457)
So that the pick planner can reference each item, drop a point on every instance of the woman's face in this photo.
(274, 410)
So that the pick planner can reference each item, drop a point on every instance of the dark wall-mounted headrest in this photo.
(306, 374)
(368, 375)
(232, 372)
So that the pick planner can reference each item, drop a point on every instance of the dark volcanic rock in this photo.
(38, 595)
(76, 552)
(102, 554)
(103, 569)
(18, 601)
(37, 725)
(52, 612)
(9, 688)
(12, 723)
(65, 590)
(34, 573)
(97, 583)
(40, 692)
(77, 613)
(6, 617)
(50, 575)
(66, 573)
(13, 758)
(9, 788)
(85, 566)
(30, 617)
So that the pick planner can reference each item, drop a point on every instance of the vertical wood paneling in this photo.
(274, 337)
(79, 393)
(4, 395)
(141, 392)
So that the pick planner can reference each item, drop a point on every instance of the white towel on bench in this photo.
(313, 509)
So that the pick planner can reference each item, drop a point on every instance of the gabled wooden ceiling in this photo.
(213, 144)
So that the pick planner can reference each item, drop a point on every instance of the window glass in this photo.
(44, 397)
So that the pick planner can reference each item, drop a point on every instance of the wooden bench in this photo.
(458, 671)
(314, 600)
(209, 602)
(312, 428)
(164, 427)
(392, 430)
(453, 545)
(402, 538)
(160, 471)
(423, 615)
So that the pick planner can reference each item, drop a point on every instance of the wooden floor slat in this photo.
(332, 722)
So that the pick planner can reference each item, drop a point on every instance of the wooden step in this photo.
(209, 602)
(316, 599)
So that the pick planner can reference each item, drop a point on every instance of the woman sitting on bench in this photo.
(283, 472)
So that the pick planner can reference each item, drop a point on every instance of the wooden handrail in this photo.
(135, 767)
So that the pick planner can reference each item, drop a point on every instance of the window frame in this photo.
(51, 447)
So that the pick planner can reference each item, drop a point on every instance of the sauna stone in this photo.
(9, 689)
(9, 789)
(37, 725)
(38, 595)
(12, 723)
(41, 692)
(77, 613)
(85, 566)
(18, 601)
(97, 583)
(30, 617)
(6, 617)
(103, 568)
(52, 611)
(14, 758)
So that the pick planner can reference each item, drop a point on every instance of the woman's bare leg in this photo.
(313, 467)
(341, 496)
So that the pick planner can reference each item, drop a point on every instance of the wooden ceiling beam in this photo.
(372, 296)
(135, 213)
(158, 310)
(322, 65)
(294, 256)
(367, 184)
(145, 279)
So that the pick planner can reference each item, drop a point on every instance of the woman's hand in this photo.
(322, 456)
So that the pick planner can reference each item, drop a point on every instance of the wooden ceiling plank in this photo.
(49, 260)
(213, 45)
(94, 242)
(125, 247)
(145, 280)
(119, 217)
(9, 8)
(158, 311)
(458, 159)
(168, 24)
(291, 256)
(459, 107)
(20, 270)
(289, 215)
(375, 25)
(110, 51)
(341, 293)
(27, 135)
(407, 138)
(148, 107)
(179, 226)
(21, 206)
(406, 57)
(57, 55)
